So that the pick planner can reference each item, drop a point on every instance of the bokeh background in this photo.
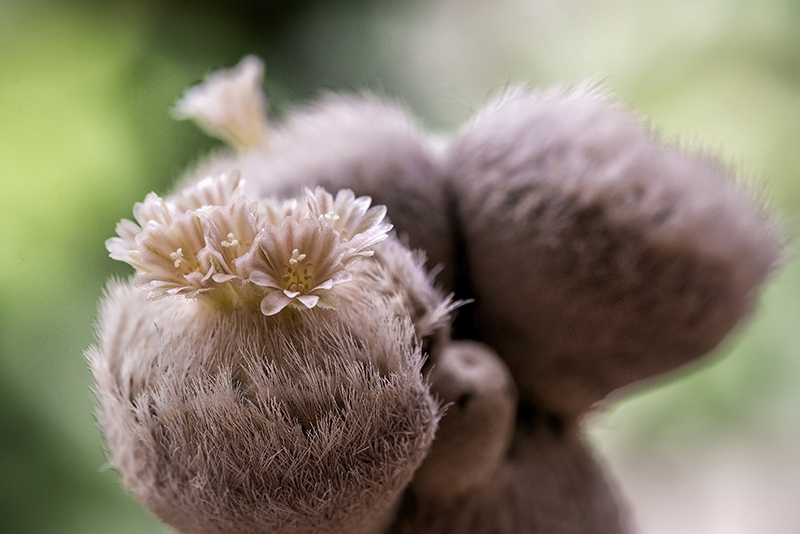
(85, 131)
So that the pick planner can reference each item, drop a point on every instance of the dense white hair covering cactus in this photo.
(305, 421)
(262, 371)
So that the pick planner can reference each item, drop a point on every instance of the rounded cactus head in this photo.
(261, 372)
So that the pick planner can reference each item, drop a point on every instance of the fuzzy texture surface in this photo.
(474, 434)
(593, 257)
(549, 483)
(239, 423)
(597, 255)
(494, 470)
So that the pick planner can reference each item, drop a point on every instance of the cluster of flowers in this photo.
(213, 242)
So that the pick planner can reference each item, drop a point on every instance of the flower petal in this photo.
(273, 302)
(309, 301)
(230, 105)
(262, 279)
(210, 191)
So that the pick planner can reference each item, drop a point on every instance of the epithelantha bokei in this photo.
(341, 326)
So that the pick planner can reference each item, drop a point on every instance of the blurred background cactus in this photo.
(85, 93)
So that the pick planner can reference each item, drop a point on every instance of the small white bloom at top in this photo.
(230, 105)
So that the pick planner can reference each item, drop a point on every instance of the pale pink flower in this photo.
(351, 217)
(211, 241)
(302, 260)
(168, 245)
(299, 264)
(167, 262)
(210, 191)
(230, 105)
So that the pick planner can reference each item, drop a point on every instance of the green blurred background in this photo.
(85, 93)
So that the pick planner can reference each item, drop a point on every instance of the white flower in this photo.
(211, 241)
(299, 263)
(230, 105)
(351, 217)
(167, 261)
(229, 233)
(151, 213)
(166, 246)
(302, 260)
(210, 191)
